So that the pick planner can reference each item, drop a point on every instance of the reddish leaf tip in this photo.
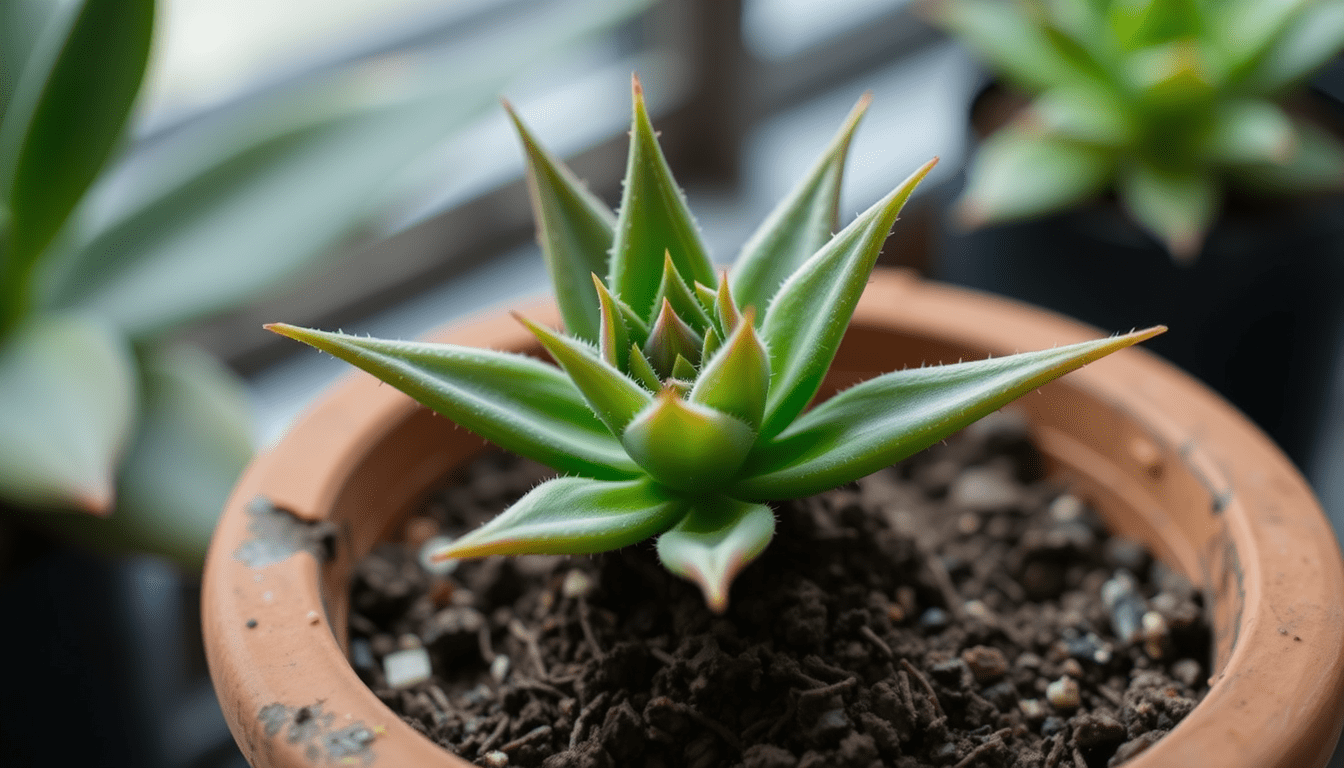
(635, 87)
(97, 500)
(282, 329)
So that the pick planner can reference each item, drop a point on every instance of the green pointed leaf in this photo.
(1012, 42)
(726, 308)
(737, 379)
(642, 371)
(687, 446)
(612, 395)
(674, 289)
(517, 402)
(66, 114)
(707, 295)
(1081, 114)
(193, 439)
(68, 406)
(1177, 209)
(1016, 175)
(713, 543)
(712, 344)
(1172, 75)
(809, 314)
(638, 328)
(1316, 164)
(573, 516)
(1252, 131)
(887, 418)
(653, 219)
(1246, 28)
(21, 26)
(669, 338)
(575, 230)
(801, 223)
(613, 336)
(683, 370)
(1308, 42)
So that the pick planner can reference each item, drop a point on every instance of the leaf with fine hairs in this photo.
(887, 418)
(575, 230)
(573, 516)
(68, 408)
(613, 335)
(809, 315)
(669, 338)
(737, 378)
(797, 227)
(713, 543)
(612, 395)
(653, 220)
(687, 446)
(681, 296)
(517, 402)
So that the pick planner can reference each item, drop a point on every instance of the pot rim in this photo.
(274, 629)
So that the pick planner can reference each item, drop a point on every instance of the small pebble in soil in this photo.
(1063, 694)
(577, 584)
(406, 667)
(934, 618)
(953, 610)
(499, 668)
(986, 664)
(1126, 605)
(361, 654)
(1154, 634)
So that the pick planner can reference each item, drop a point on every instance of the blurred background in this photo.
(345, 164)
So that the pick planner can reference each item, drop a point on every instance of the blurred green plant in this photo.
(678, 408)
(105, 254)
(1165, 101)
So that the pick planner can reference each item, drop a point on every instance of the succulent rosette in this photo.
(1169, 103)
(677, 406)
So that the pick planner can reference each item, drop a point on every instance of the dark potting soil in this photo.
(952, 610)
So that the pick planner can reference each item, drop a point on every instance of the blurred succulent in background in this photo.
(1167, 102)
(679, 404)
(105, 255)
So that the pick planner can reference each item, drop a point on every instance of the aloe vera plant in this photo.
(1168, 102)
(679, 405)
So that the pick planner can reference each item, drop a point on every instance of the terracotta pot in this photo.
(1159, 455)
